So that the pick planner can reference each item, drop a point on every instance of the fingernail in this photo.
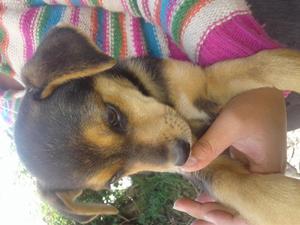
(192, 161)
(209, 218)
(177, 207)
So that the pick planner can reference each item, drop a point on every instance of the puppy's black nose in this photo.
(182, 151)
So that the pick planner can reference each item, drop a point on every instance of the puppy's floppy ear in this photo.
(65, 54)
(65, 203)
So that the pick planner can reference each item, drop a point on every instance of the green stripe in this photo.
(5, 69)
(116, 30)
(17, 104)
(179, 17)
(8, 95)
(44, 18)
(135, 7)
(2, 35)
(35, 2)
(94, 2)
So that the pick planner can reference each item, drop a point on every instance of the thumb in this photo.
(222, 218)
(222, 133)
(219, 217)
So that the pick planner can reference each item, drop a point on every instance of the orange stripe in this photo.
(191, 13)
(5, 41)
(157, 12)
(94, 24)
(123, 52)
(68, 2)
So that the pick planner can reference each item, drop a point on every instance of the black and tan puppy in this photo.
(87, 120)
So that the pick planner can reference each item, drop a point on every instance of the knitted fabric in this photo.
(201, 31)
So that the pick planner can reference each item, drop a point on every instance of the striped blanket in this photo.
(201, 31)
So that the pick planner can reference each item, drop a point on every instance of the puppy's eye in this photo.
(116, 119)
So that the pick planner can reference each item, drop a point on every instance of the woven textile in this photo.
(202, 31)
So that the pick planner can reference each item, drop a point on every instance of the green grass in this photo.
(148, 201)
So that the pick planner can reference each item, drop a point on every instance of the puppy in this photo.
(87, 120)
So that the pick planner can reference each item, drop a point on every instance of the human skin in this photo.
(7, 83)
(253, 126)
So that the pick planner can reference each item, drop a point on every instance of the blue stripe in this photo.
(35, 2)
(151, 39)
(4, 112)
(99, 37)
(76, 2)
(55, 15)
(163, 14)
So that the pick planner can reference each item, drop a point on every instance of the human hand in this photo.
(253, 125)
(8, 83)
(208, 212)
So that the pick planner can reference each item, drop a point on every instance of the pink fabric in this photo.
(241, 34)
(27, 22)
(175, 52)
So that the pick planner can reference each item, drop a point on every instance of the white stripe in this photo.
(14, 4)
(175, 9)
(129, 36)
(113, 5)
(35, 28)
(66, 17)
(131, 10)
(206, 17)
(62, 2)
(142, 10)
(152, 6)
(199, 45)
(84, 21)
(110, 34)
(49, 2)
(15, 50)
(163, 42)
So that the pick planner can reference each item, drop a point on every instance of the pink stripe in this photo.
(68, 2)
(75, 16)
(105, 32)
(146, 9)
(126, 7)
(137, 37)
(218, 23)
(156, 15)
(5, 41)
(175, 52)
(26, 26)
(286, 93)
(12, 107)
(82, 2)
(169, 16)
(192, 12)
(240, 36)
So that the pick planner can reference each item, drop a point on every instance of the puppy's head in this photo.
(81, 125)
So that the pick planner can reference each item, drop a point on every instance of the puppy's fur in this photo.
(87, 120)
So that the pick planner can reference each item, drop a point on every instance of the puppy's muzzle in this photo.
(181, 151)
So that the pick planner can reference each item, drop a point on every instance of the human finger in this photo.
(196, 209)
(204, 198)
(201, 222)
(219, 217)
(216, 140)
